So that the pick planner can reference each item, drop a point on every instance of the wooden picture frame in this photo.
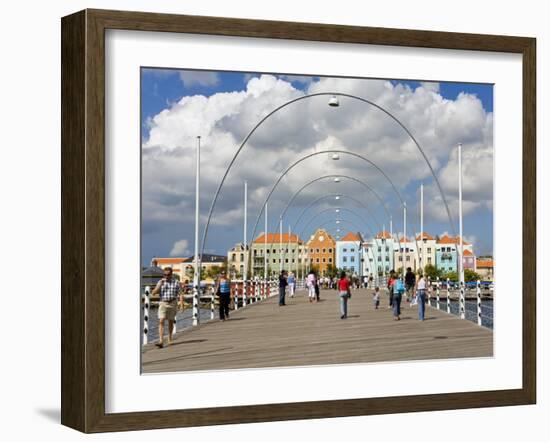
(83, 220)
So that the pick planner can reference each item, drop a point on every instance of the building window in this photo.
(274, 250)
(344, 250)
(429, 250)
(317, 260)
(286, 260)
(330, 260)
(345, 259)
(429, 259)
(329, 250)
(408, 258)
(352, 259)
(324, 250)
(317, 251)
(274, 261)
(233, 257)
(400, 258)
(380, 259)
(380, 249)
(324, 260)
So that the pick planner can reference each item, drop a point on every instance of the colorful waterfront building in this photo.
(236, 258)
(485, 268)
(469, 260)
(321, 249)
(349, 253)
(381, 251)
(426, 246)
(405, 251)
(446, 255)
(286, 252)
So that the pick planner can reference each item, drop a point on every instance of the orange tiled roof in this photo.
(352, 237)
(488, 263)
(274, 238)
(405, 239)
(446, 239)
(425, 236)
(468, 253)
(169, 260)
(383, 235)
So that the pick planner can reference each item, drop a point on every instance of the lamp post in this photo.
(245, 264)
(196, 276)
(265, 245)
(422, 263)
(460, 257)
(280, 245)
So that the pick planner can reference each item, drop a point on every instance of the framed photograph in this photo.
(268, 221)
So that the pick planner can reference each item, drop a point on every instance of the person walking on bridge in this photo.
(344, 293)
(223, 290)
(398, 290)
(421, 295)
(311, 282)
(169, 289)
(390, 284)
(410, 281)
(291, 284)
(282, 287)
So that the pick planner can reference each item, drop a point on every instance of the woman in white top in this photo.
(310, 282)
(421, 295)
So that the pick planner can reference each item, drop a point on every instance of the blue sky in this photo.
(223, 106)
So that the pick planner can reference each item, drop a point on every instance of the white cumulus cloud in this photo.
(180, 248)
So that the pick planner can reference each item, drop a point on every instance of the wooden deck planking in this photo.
(303, 333)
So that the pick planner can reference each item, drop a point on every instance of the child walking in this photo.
(376, 297)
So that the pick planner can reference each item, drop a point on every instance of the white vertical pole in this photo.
(448, 296)
(265, 243)
(212, 302)
(196, 276)
(384, 243)
(422, 262)
(404, 235)
(437, 290)
(236, 295)
(460, 257)
(478, 290)
(146, 304)
(247, 253)
(281, 254)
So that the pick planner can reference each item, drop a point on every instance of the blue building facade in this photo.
(349, 253)
(446, 254)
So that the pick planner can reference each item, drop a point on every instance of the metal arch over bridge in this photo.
(334, 94)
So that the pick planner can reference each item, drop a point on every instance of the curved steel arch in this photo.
(346, 152)
(328, 196)
(340, 208)
(352, 223)
(340, 94)
(335, 176)
(329, 210)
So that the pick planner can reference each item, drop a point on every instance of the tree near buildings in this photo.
(432, 272)
(470, 275)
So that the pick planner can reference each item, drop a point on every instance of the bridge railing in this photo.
(467, 303)
(243, 294)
